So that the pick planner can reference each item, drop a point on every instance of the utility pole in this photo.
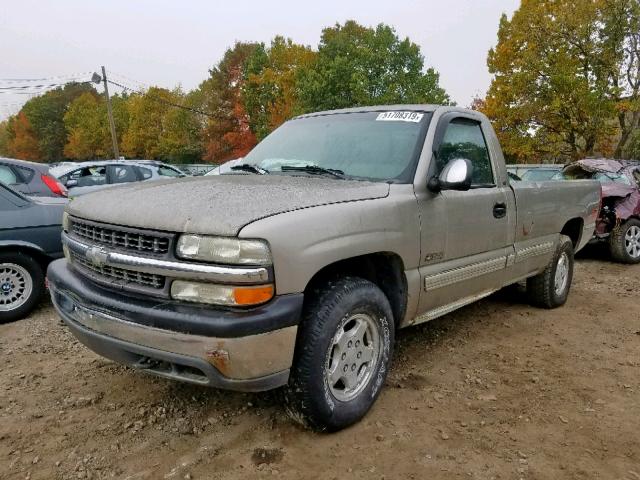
(114, 138)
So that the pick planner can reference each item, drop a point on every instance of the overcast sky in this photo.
(167, 43)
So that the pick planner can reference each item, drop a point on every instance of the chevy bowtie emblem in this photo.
(97, 256)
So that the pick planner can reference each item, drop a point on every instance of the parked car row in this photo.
(30, 178)
(32, 200)
(85, 177)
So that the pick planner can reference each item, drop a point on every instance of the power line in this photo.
(162, 100)
(46, 79)
(44, 86)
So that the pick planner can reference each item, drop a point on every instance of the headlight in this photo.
(221, 294)
(232, 251)
(65, 221)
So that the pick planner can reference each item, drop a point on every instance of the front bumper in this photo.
(248, 350)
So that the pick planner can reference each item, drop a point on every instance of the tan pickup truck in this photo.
(297, 268)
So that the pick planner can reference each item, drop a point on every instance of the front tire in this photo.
(624, 242)
(550, 288)
(343, 354)
(21, 285)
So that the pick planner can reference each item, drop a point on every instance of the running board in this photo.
(450, 307)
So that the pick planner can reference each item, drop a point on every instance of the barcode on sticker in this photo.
(400, 117)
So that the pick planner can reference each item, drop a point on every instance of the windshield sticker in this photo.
(414, 117)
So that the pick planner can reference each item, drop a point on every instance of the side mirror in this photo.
(456, 175)
(71, 183)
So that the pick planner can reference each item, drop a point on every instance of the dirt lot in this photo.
(497, 390)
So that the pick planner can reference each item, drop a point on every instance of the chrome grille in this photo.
(108, 273)
(123, 239)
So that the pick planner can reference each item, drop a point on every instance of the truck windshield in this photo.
(378, 146)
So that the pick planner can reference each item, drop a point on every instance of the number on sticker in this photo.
(414, 117)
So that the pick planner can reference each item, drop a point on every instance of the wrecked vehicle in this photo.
(619, 219)
(297, 268)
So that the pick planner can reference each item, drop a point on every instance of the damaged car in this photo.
(619, 219)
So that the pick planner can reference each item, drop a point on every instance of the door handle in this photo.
(500, 210)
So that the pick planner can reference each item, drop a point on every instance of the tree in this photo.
(227, 133)
(270, 93)
(147, 113)
(46, 117)
(4, 138)
(621, 30)
(87, 126)
(357, 65)
(22, 142)
(181, 138)
(559, 78)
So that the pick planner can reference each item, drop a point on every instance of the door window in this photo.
(169, 172)
(464, 139)
(7, 176)
(86, 177)
(145, 173)
(122, 174)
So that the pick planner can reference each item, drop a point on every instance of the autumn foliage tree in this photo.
(88, 134)
(227, 133)
(23, 142)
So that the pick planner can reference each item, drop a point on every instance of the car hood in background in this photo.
(219, 205)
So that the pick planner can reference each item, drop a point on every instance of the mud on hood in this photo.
(219, 205)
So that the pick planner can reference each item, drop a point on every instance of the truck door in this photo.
(478, 224)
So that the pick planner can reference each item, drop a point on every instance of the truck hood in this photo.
(219, 205)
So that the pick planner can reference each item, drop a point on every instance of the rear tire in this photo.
(343, 353)
(550, 288)
(21, 285)
(624, 242)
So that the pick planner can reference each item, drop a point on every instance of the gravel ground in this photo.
(497, 390)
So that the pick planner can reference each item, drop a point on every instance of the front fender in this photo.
(305, 241)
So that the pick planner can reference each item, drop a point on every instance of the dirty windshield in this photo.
(379, 146)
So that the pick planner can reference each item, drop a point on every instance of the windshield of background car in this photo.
(379, 146)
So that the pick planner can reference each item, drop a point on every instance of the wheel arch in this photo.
(384, 269)
(30, 249)
(573, 229)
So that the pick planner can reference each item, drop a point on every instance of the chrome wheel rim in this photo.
(632, 241)
(562, 274)
(352, 356)
(15, 286)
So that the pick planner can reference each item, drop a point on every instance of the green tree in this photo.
(181, 138)
(270, 93)
(357, 65)
(561, 76)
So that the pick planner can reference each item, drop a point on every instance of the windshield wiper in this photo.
(314, 169)
(247, 167)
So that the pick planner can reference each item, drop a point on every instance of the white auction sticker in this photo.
(414, 117)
